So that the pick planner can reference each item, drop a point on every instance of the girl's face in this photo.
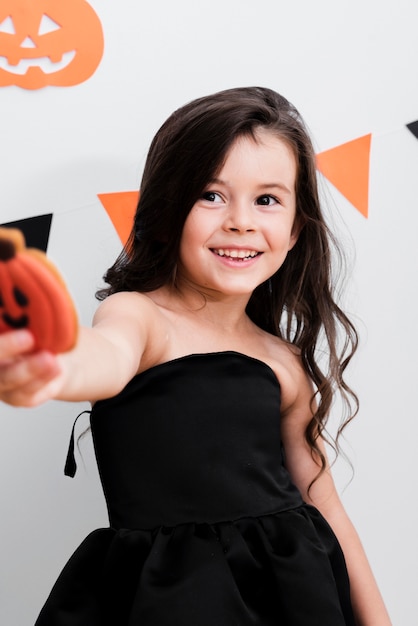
(239, 232)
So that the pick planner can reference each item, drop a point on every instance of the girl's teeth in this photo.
(236, 254)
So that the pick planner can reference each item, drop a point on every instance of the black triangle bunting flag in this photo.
(35, 230)
(413, 127)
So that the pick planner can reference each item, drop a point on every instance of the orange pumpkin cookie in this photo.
(33, 295)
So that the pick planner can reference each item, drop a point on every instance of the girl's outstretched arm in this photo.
(103, 361)
(368, 605)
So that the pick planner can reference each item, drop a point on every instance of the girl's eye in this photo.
(211, 196)
(267, 200)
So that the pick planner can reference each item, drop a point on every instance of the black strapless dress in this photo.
(206, 527)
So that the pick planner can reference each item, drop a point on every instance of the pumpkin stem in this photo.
(7, 250)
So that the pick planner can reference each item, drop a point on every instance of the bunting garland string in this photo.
(345, 166)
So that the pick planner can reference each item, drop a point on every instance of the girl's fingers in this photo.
(26, 375)
(15, 343)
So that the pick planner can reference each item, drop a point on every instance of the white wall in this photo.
(350, 67)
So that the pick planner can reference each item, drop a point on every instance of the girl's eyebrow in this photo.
(278, 185)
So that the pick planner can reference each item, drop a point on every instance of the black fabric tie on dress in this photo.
(70, 462)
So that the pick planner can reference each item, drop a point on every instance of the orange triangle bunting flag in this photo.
(347, 168)
(120, 207)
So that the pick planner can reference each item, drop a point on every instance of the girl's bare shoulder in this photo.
(126, 302)
(138, 316)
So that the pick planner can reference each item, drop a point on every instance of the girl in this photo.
(209, 404)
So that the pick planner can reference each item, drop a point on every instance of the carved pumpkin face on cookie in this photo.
(33, 295)
(45, 42)
(13, 301)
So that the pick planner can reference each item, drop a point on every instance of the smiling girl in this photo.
(209, 404)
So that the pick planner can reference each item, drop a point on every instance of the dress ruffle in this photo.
(252, 571)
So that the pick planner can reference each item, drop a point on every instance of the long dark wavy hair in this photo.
(297, 303)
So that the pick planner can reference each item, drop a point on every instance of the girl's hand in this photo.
(23, 373)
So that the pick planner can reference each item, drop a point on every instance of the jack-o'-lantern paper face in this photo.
(48, 42)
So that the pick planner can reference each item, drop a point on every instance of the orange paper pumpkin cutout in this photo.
(34, 296)
(48, 42)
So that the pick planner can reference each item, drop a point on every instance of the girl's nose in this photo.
(240, 218)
